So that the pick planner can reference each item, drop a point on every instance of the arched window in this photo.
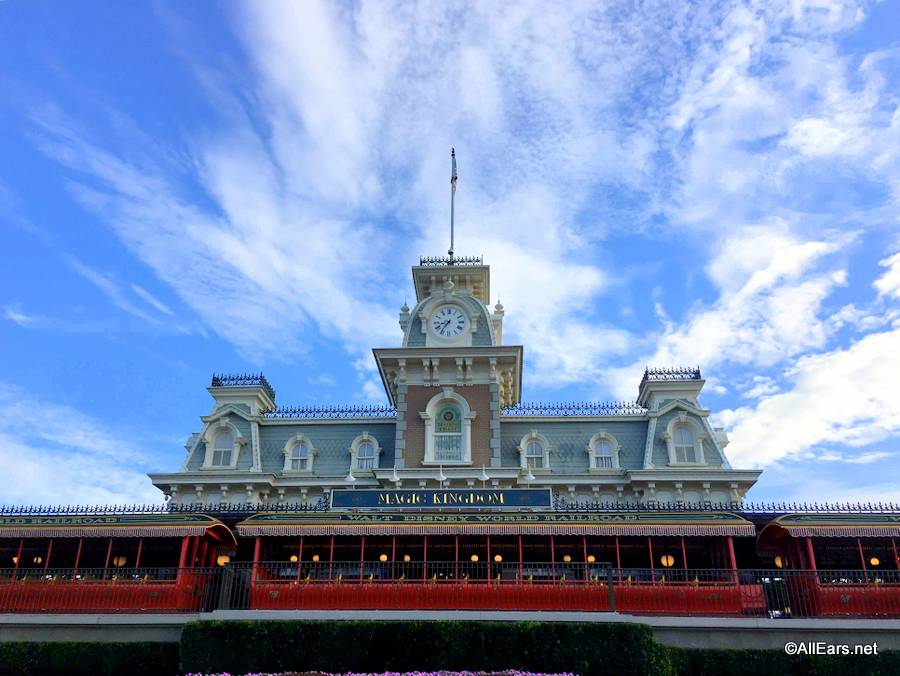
(603, 450)
(300, 457)
(223, 447)
(683, 440)
(448, 434)
(603, 455)
(534, 451)
(364, 452)
(684, 437)
(299, 454)
(534, 454)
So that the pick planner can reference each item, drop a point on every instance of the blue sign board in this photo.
(444, 498)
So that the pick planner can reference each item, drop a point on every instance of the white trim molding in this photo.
(535, 437)
(467, 415)
(288, 452)
(591, 449)
(354, 449)
(698, 433)
(209, 437)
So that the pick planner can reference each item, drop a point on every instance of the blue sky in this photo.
(197, 187)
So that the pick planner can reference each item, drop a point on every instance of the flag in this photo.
(453, 175)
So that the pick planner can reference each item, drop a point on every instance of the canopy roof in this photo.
(608, 523)
(833, 525)
(114, 525)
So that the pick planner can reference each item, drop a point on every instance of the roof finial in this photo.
(453, 178)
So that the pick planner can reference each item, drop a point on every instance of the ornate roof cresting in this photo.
(243, 380)
(575, 408)
(440, 261)
(333, 412)
(671, 373)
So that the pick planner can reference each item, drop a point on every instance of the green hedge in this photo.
(88, 659)
(583, 648)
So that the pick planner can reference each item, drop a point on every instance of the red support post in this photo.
(650, 545)
(684, 553)
(194, 546)
(108, 554)
(896, 557)
(810, 554)
(77, 557)
(489, 559)
(137, 560)
(257, 549)
(331, 560)
(393, 557)
(425, 558)
(862, 558)
(19, 553)
(456, 556)
(49, 552)
(299, 557)
(362, 556)
(520, 559)
(587, 570)
(182, 561)
(552, 559)
(733, 559)
(618, 559)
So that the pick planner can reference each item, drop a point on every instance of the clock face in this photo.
(448, 321)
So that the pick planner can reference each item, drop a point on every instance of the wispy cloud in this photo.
(150, 299)
(53, 454)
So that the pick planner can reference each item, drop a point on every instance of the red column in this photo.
(552, 559)
(810, 554)
(684, 554)
(587, 572)
(393, 557)
(49, 552)
(257, 548)
(862, 558)
(618, 559)
(194, 545)
(362, 556)
(331, 560)
(650, 545)
(489, 577)
(77, 557)
(299, 557)
(520, 559)
(137, 560)
(19, 554)
(182, 561)
(896, 557)
(732, 558)
(425, 558)
(108, 554)
(456, 556)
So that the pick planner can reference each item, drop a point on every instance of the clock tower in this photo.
(452, 375)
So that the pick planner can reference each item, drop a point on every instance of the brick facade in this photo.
(417, 398)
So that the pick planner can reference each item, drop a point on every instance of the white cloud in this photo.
(15, 314)
(151, 299)
(889, 283)
(55, 454)
(843, 397)
(110, 288)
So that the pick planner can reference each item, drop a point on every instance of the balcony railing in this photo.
(448, 585)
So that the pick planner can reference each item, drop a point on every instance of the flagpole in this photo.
(452, 197)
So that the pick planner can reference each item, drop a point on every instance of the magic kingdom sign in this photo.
(439, 499)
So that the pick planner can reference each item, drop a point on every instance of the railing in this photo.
(107, 590)
(447, 585)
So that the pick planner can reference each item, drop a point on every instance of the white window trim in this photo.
(699, 437)
(354, 447)
(447, 395)
(591, 449)
(288, 450)
(534, 435)
(209, 437)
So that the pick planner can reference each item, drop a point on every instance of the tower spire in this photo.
(453, 178)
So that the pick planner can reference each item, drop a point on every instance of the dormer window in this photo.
(534, 452)
(604, 452)
(364, 452)
(299, 455)
(223, 447)
(684, 439)
(684, 445)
